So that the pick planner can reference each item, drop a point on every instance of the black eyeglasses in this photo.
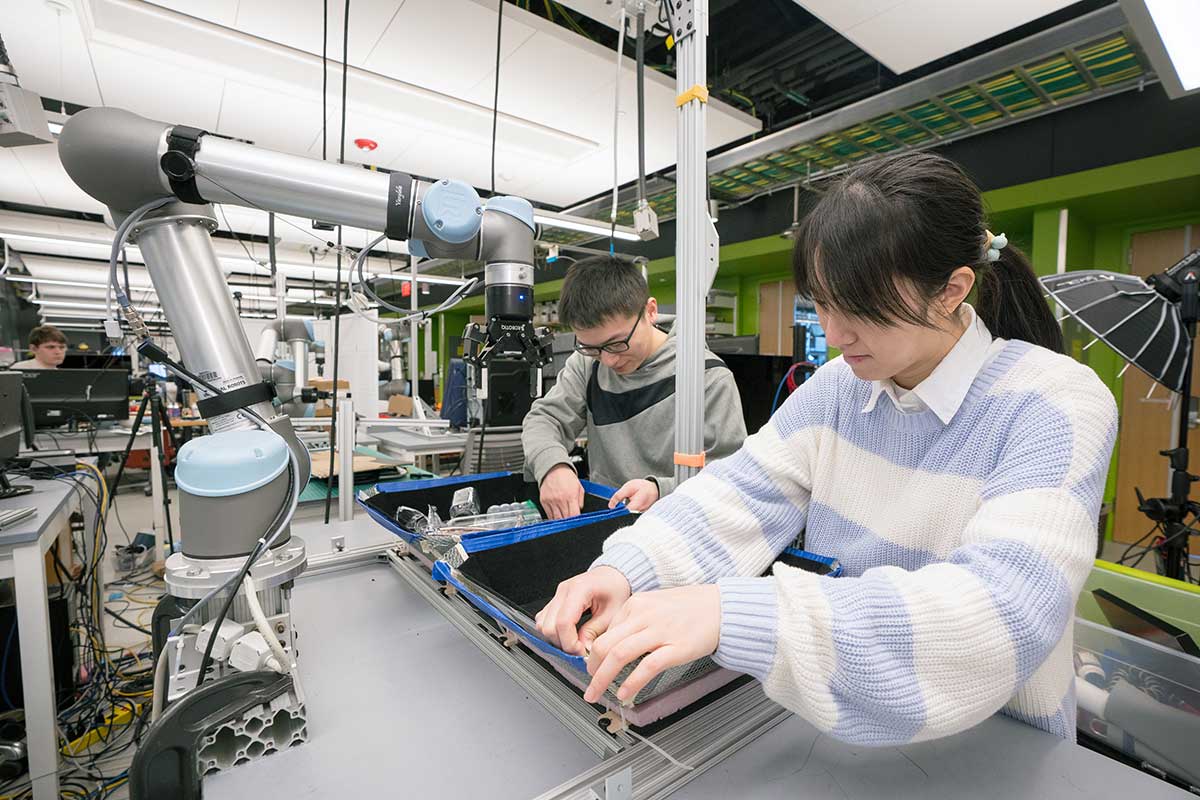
(614, 347)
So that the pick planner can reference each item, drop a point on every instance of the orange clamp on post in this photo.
(697, 92)
(690, 460)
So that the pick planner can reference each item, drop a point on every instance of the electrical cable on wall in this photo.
(612, 233)
(495, 119)
(496, 89)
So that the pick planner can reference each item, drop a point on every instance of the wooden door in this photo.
(776, 316)
(1147, 425)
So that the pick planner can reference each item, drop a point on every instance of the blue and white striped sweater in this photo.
(964, 547)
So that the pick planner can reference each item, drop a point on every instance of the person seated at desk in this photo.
(619, 384)
(953, 459)
(48, 345)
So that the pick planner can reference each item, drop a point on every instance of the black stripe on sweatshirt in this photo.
(610, 408)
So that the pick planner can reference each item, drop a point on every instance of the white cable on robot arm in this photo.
(286, 663)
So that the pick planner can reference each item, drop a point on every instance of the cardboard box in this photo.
(326, 384)
(401, 405)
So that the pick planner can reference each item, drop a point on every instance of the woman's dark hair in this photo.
(911, 220)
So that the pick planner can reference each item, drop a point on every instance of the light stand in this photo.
(1181, 285)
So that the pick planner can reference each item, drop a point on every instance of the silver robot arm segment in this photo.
(125, 160)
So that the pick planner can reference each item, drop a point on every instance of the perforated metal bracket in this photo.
(618, 786)
(683, 18)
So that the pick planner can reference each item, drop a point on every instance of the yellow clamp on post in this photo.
(697, 92)
(690, 459)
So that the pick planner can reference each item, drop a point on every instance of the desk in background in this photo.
(422, 448)
(101, 440)
(22, 551)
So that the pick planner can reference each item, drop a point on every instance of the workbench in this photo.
(413, 444)
(22, 550)
(400, 704)
(102, 440)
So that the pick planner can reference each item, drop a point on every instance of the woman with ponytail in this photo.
(952, 459)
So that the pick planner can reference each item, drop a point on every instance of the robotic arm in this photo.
(124, 160)
(233, 481)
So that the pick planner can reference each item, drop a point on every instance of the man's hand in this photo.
(602, 590)
(562, 493)
(670, 627)
(640, 493)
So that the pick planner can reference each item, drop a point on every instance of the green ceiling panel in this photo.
(972, 106)
(934, 117)
(1111, 61)
(1012, 92)
(1058, 78)
(900, 128)
(842, 148)
(869, 139)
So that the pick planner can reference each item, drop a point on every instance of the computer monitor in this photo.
(12, 429)
(91, 359)
(60, 396)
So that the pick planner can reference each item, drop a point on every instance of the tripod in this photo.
(1180, 284)
(158, 422)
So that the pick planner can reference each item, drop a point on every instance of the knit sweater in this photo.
(964, 547)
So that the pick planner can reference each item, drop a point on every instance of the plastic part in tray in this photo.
(494, 488)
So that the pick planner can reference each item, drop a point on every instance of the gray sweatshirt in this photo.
(630, 419)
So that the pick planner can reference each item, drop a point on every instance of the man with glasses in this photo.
(619, 385)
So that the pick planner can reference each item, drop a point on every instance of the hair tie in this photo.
(996, 243)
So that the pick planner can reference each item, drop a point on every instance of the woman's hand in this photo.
(602, 590)
(639, 493)
(670, 627)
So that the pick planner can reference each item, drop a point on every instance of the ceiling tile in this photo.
(402, 53)
(911, 33)
(160, 89)
(49, 52)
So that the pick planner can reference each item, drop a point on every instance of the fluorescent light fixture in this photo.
(78, 284)
(584, 225)
(69, 304)
(1166, 31)
(433, 279)
(96, 248)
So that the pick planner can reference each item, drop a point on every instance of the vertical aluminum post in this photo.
(345, 441)
(692, 231)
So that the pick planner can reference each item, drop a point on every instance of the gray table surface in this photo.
(418, 442)
(47, 497)
(400, 705)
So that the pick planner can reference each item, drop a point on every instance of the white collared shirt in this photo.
(946, 387)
